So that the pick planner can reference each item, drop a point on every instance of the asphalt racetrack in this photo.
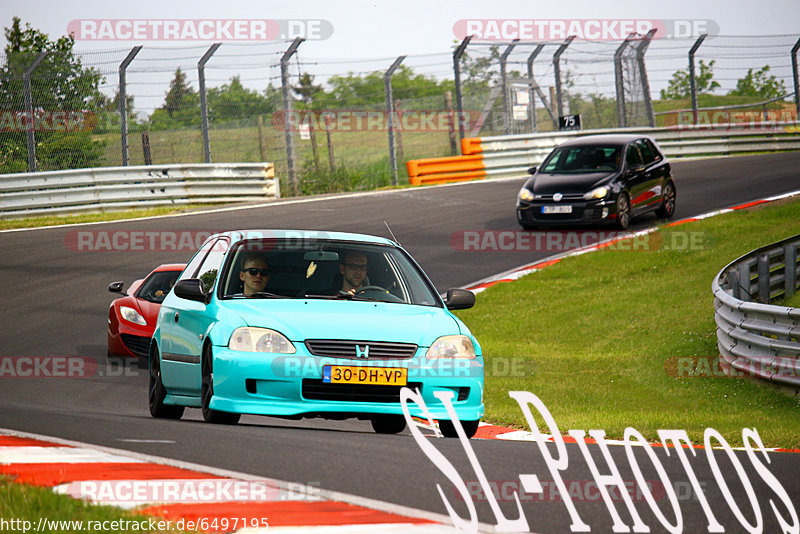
(54, 303)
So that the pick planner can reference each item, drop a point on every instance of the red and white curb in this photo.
(174, 490)
(519, 272)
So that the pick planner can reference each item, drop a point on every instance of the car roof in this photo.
(613, 139)
(238, 235)
(170, 267)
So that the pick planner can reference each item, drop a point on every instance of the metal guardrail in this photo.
(755, 337)
(512, 155)
(115, 188)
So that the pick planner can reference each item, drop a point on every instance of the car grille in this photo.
(316, 389)
(567, 197)
(337, 348)
(139, 345)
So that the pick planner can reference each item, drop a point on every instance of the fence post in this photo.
(504, 84)
(123, 104)
(622, 114)
(201, 76)
(640, 51)
(796, 78)
(531, 89)
(692, 80)
(287, 111)
(557, 72)
(331, 158)
(26, 82)
(457, 77)
(387, 90)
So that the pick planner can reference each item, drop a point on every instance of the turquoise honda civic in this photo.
(294, 324)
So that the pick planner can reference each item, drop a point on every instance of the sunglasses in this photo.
(252, 271)
(356, 266)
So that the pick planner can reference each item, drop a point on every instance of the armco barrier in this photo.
(513, 155)
(115, 188)
(755, 337)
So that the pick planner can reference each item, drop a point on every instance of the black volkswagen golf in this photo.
(598, 179)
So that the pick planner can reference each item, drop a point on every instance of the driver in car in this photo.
(254, 274)
(353, 268)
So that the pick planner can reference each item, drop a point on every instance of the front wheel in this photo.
(157, 392)
(207, 391)
(449, 429)
(623, 212)
(667, 208)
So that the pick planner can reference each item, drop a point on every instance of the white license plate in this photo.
(556, 209)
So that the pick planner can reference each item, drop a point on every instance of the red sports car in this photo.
(132, 317)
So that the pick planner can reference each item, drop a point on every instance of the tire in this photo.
(388, 424)
(667, 209)
(623, 211)
(207, 392)
(449, 429)
(156, 393)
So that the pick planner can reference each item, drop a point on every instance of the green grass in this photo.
(600, 328)
(54, 220)
(21, 502)
(793, 301)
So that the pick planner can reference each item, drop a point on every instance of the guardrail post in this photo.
(287, 111)
(504, 84)
(763, 278)
(692, 80)
(640, 51)
(622, 118)
(557, 72)
(123, 104)
(26, 83)
(457, 77)
(201, 76)
(744, 281)
(387, 90)
(796, 78)
(789, 270)
(531, 89)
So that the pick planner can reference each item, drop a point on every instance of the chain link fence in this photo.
(350, 124)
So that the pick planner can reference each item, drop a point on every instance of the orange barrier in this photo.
(471, 145)
(447, 169)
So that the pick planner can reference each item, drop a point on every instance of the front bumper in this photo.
(582, 212)
(291, 385)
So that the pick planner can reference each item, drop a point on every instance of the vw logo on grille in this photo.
(362, 353)
(557, 197)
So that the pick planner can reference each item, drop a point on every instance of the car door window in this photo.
(646, 150)
(632, 157)
(207, 273)
(197, 259)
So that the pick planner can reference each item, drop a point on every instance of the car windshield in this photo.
(157, 285)
(324, 269)
(583, 159)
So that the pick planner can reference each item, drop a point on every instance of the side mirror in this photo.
(532, 170)
(116, 287)
(459, 299)
(191, 289)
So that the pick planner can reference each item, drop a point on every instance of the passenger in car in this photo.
(254, 273)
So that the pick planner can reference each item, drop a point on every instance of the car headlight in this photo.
(131, 315)
(597, 192)
(525, 194)
(452, 347)
(249, 339)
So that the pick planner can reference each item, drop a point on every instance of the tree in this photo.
(760, 84)
(233, 101)
(306, 89)
(680, 84)
(59, 84)
(181, 108)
